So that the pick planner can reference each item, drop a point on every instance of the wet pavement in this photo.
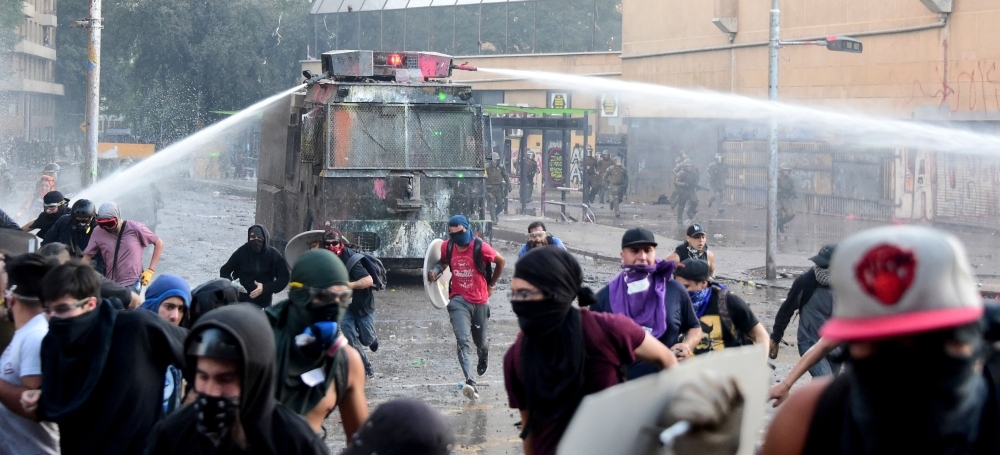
(203, 222)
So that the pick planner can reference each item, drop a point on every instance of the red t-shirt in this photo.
(466, 280)
(610, 341)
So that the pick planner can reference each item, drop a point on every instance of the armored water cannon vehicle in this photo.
(379, 146)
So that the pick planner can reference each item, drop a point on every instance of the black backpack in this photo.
(373, 266)
(486, 268)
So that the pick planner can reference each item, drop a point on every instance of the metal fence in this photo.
(829, 179)
(380, 136)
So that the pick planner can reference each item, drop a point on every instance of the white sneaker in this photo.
(469, 391)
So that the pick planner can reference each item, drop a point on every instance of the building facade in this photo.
(27, 83)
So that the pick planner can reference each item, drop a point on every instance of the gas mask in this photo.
(216, 416)
(81, 225)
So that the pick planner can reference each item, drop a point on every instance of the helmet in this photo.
(618, 160)
(50, 168)
(210, 295)
(125, 162)
(83, 208)
(605, 152)
(495, 156)
(215, 343)
(786, 167)
(531, 153)
(687, 162)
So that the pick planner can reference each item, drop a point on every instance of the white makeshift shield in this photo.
(437, 290)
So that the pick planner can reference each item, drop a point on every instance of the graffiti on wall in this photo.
(970, 86)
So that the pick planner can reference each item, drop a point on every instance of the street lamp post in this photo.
(833, 43)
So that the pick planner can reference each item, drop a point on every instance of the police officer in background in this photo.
(602, 167)
(717, 174)
(786, 192)
(616, 179)
(590, 168)
(497, 186)
(528, 178)
(686, 184)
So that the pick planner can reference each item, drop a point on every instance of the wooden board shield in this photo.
(437, 291)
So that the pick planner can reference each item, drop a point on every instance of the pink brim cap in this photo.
(862, 329)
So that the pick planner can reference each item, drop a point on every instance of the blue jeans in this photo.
(360, 332)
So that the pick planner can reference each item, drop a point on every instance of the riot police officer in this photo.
(497, 186)
(602, 167)
(528, 178)
(717, 174)
(678, 165)
(786, 192)
(590, 168)
(616, 179)
(686, 184)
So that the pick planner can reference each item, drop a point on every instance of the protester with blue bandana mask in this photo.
(170, 297)
(723, 326)
(475, 268)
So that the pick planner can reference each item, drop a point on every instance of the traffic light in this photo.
(843, 44)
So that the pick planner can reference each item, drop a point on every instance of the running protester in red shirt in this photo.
(472, 281)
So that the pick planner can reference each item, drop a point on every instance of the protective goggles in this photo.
(53, 206)
(537, 235)
(325, 296)
(61, 309)
(107, 222)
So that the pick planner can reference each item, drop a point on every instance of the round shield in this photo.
(436, 290)
(300, 244)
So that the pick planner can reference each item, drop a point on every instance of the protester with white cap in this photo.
(120, 242)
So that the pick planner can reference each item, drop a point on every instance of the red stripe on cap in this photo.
(860, 329)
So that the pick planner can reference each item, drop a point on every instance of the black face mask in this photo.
(536, 317)
(257, 245)
(916, 399)
(325, 311)
(216, 416)
(78, 225)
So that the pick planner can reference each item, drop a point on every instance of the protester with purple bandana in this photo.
(723, 326)
(646, 292)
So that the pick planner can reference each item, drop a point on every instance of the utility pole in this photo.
(92, 22)
(774, 42)
(834, 43)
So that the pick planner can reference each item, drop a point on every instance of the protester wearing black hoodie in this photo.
(74, 230)
(102, 369)
(236, 339)
(55, 206)
(259, 267)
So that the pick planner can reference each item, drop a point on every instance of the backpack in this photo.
(373, 266)
(727, 321)
(485, 268)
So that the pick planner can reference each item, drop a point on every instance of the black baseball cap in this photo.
(694, 270)
(638, 236)
(696, 229)
(822, 258)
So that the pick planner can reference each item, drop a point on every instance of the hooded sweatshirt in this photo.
(267, 267)
(270, 427)
(314, 269)
(102, 378)
(44, 221)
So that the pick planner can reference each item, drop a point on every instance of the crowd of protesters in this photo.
(222, 368)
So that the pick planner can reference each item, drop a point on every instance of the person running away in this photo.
(910, 311)
(646, 292)
(54, 207)
(726, 319)
(694, 246)
(102, 368)
(538, 237)
(358, 324)
(120, 242)
(231, 363)
(812, 297)
(259, 267)
(318, 372)
(403, 426)
(21, 362)
(563, 353)
(169, 297)
(470, 260)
